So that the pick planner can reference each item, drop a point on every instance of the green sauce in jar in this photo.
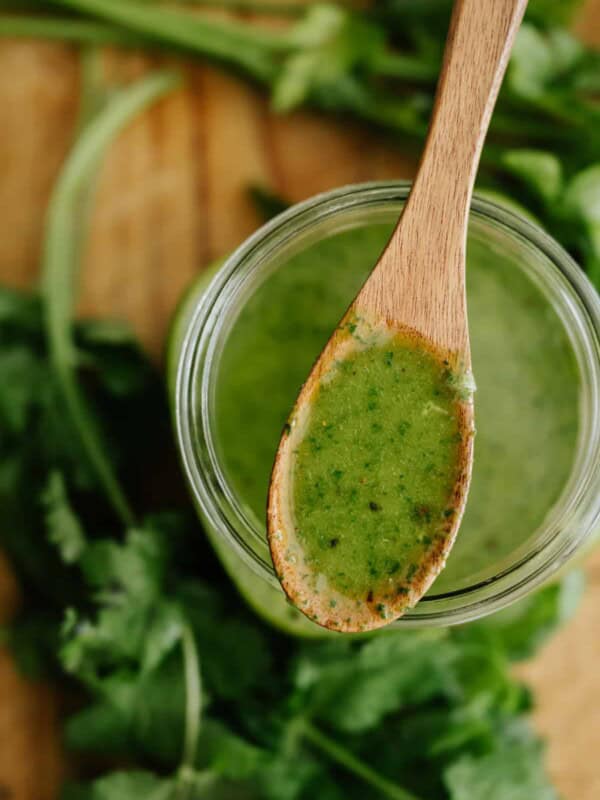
(526, 400)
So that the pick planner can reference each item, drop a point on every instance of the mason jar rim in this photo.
(577, 513)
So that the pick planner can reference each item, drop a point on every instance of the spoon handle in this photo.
(420, 278)
(481, 36)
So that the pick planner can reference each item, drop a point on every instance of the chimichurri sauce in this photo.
(526, 400)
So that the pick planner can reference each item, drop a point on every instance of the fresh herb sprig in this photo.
(61, 258)
(380, 65)
(339, 59)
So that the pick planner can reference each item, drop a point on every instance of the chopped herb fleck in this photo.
(421, 514)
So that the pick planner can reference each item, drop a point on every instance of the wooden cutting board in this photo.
(171, 198)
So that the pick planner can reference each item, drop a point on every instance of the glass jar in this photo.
(209, 315)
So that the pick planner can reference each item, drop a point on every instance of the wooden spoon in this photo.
(416, 289)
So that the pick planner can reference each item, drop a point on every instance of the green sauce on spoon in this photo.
(374, 474)
(368, 485)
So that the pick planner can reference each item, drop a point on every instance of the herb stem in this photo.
(409, 68)
(340, 755)
(193, 703)
(238, 44)
(92, 93)
(276, 8)
(60, 261)
(67, 30)
(268, 7)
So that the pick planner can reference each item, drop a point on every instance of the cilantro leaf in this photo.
(20, 311)
(540, 58)
(109, 349)
(100, 726)
(134, 713)
(355, 691)
(553, 12)
(288, 778)
(539, 170)
(135, 568)
(582, 202)
(520, 630)
(163, 633)
(33, 639)
(134, 622)
(225, 639)
(512, 771)
(327, 47)
(22, 381)
(124, 786)
(64, 528)
(229, 755)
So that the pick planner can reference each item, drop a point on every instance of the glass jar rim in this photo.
(578, 511)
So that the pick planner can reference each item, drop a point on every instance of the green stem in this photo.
(22, 6)
(268, 7)
(383, 111)
(408, 68)
(237, 44)
(67, 30)
(60, 262)
(93, 91)
(193, 702)
(272, 8)
(340, 755)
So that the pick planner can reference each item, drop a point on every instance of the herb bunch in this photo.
(177, 679)
(380, 65)
(179, 684)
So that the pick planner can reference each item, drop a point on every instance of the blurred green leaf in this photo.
(64, 527)
(582, 201)
(539, 170)
(512, 771)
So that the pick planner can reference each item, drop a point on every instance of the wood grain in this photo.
(37, 114)
(419, 282)
(566, 680)
(31, 758)
(195, 208)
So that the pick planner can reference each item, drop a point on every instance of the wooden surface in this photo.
(171, 197)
